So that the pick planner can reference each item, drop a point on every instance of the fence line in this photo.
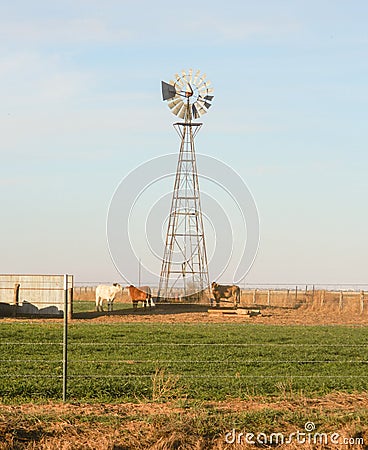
(340, 296)
(192, 361)
(210, 377)
(193, 344)
(235, 363)
(322, 297)
(340, 300)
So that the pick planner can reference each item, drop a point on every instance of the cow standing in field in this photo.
(108, 293)
(226, 291)
(141, 294)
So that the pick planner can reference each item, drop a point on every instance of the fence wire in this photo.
(82, 367)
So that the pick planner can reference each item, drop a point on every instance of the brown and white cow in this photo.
(140, 294)
(220, 291)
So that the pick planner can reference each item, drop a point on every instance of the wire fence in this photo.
(38, 366)
(72, 360)
(44, 295)
(335, 297)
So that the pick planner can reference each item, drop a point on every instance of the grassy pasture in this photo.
(89, 305)
(160, 362)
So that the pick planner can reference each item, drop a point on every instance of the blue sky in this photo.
(81, 107)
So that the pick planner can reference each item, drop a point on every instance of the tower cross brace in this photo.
(184, 270)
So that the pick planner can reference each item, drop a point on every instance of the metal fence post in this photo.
(16, 298)
(70, 303)
(65, 339)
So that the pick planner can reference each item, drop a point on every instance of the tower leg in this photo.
(184, 270)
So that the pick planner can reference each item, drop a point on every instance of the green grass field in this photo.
(88, 306)
(130, 362)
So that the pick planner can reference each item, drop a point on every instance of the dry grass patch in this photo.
(177, 425)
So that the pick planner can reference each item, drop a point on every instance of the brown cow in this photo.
(225, 291)
(141, 294)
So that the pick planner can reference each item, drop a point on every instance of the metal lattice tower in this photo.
(184, 270)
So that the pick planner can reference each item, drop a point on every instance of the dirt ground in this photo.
(179, 313)
(284, 307)
(307, 314)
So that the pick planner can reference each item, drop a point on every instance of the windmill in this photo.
(184, 266)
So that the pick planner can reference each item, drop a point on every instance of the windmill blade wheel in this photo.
(189, 96)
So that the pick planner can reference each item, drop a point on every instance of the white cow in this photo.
(108, 293)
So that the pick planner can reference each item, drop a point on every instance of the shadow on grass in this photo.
(158, 310)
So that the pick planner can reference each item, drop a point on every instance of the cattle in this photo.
(225, 291)
(140, 294)
(108, 293)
